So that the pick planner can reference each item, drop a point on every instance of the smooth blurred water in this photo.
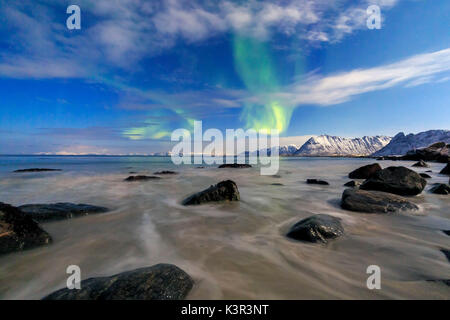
(233, 250)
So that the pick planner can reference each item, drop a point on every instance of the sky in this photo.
(137, 70)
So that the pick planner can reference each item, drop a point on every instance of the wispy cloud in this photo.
(117, 34)
(341, 87)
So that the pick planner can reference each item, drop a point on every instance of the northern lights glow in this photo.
(255, 67)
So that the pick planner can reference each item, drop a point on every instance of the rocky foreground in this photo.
(159, 282)
(19, 231)
(383, 191)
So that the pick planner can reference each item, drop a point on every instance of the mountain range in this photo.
(402, 143)
(326, 145)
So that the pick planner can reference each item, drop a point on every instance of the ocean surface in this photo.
(232, 250)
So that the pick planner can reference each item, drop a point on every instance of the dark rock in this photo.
(438, 152)
(165, 172)
(235, 165)
(59, 211)
(365, 171)
(397, 180)
(444, 281)
(374, 202)
(159, 282)
(141, 178)
(425, 176)
(446, 169)
(421, 164)
(132, 172)
(429, 171)
(440, 188)
(447, 232)
(277, 184)
(317, 228)
(18, 231)
(223, 191)
(37, 170)
(352, 184)
(315, 181)
(446, 253)
(380, 158)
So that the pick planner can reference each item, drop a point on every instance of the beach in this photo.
(233, 250)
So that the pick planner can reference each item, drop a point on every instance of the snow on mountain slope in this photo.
(401, 144)
(326, 145)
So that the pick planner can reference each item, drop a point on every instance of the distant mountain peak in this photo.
(326, 145)
(402, 143)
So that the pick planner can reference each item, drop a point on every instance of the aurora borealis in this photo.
(137, 70)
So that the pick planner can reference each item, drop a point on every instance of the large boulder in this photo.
(159, 282)
(317, 228)
(59, 211)
(223, 191)
(438, 152)
(446, 169)
(397, 180)
(365, 171)
(374, 202)
(18, 231)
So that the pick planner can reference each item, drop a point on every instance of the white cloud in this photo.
(120, 33)
(341, 87)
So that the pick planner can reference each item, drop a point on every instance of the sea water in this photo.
(234, 250)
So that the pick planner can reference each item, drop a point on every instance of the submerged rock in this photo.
(374, 202)
(165, 172)
(37, 170)
(352, 184)
(425, 176)
(235, 165)
(59, 211)
(317, 228)
(159, 282)
(18, 231)
(316, 181)
(397, 180)
(440, 188)
(446, 169)
(365, 171)
(223, 191)
(421, 164)
(141, 178)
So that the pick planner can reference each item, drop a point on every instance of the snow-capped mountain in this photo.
(401, 144)
(326, 145)
(288, 150)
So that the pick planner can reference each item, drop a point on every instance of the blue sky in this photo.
(138, 69)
